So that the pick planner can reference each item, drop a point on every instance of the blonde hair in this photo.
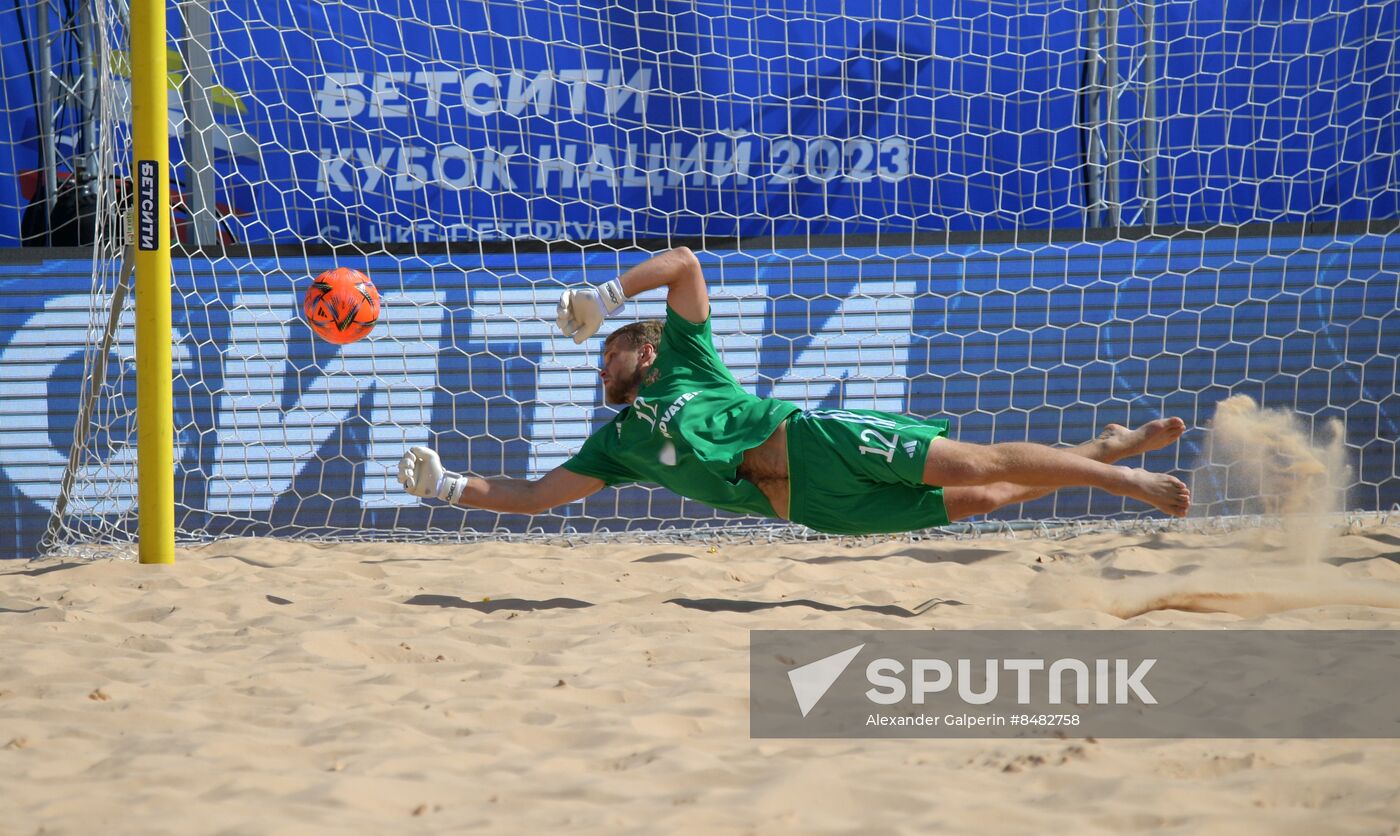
(637, 334)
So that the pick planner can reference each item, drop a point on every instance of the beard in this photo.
(622, 388)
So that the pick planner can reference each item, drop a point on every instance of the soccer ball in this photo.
(342, 305)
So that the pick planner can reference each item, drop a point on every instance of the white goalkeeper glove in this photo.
(581, 311)
(421, 474)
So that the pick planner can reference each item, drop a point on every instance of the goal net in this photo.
(1031, 218)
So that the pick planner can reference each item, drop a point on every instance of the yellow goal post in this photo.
(151, 238)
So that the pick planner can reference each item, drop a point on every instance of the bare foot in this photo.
(1118, 442)
(1163, 491)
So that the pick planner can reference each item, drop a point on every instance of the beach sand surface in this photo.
(260, 686)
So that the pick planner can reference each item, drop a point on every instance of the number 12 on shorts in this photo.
(887, 448)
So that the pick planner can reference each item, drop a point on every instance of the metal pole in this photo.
(87, 86)
(1094, 168)
(47, 150)
(199, 115)
(1112, 197)
(1149, 113)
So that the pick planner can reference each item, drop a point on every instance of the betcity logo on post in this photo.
(147, 225)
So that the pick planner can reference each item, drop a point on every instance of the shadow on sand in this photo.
(496, 604)
(728, 605)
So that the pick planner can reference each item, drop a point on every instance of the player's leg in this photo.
(1114, 444)
(959, 464)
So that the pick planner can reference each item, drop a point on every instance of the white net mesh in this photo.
(1034, 220)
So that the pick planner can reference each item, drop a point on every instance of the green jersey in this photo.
(688, 427)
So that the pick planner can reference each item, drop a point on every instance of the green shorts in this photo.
(858, 471)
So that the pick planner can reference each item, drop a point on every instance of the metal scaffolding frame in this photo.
(199, 135)
(67, 99)
(1107, 88)
(66, 92)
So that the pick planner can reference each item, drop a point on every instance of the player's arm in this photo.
(679, 272)
(421, 474)
(581, 311)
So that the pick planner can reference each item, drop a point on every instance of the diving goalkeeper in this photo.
(689, 426)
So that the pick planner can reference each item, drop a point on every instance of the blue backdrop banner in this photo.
(278, 432)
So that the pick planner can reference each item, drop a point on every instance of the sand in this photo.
(260, 686)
